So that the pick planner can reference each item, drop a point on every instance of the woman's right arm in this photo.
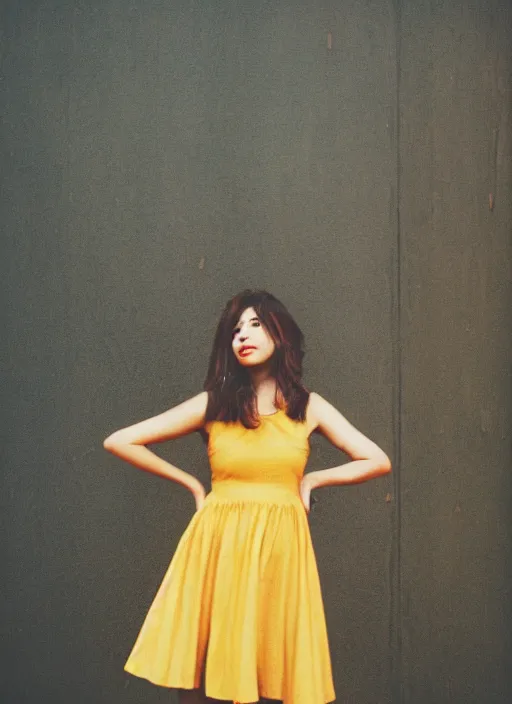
(129, 443)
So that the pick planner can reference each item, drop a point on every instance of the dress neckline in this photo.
(269, 415)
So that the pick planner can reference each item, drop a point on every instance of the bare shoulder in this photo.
(182, 419)
(322, 415)
(326, 419)
(312, 411)
(315, 402)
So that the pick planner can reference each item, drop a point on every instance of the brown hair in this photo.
(231, 396)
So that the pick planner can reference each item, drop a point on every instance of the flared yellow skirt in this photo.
(241, 604)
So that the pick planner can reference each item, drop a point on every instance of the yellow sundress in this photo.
(241, 603)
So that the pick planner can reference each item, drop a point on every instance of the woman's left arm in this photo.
(368, 460)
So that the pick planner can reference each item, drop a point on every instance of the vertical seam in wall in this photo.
(395, 634)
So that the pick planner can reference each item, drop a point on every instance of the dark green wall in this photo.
(455, 470)
(157, 158)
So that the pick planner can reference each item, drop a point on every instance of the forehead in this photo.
(247, 314)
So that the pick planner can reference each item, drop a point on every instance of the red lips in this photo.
(244, 348)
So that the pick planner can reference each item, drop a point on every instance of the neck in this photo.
(262, 380)
(265, 387)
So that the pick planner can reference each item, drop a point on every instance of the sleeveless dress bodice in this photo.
(276, 452)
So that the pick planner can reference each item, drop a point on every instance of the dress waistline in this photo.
(237, 490)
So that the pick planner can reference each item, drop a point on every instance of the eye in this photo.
(254, 322)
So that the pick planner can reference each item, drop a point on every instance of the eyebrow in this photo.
(254, 318)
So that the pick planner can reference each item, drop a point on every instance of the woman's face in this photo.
(251, 333)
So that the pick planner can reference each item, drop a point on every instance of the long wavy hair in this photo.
(231, 395)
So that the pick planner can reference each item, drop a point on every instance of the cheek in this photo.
(269, 343)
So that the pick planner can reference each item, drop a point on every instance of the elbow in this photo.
(110, 443)
(384, 464)
(116, 441)
(107, 444)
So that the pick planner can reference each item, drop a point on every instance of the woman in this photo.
(239, 614)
